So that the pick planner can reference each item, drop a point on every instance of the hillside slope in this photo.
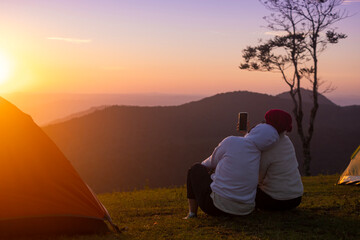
(122, 148)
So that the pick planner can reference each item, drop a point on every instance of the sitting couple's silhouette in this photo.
(259, 170)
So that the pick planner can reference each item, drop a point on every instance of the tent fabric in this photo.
(351, 175)
(36, 179)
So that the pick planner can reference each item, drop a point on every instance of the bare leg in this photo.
(193, 206)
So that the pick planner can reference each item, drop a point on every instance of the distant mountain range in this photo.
(127, 147)
(45, 108)
(307, 97)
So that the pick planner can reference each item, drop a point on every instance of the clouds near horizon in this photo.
(70, 40)
(346, 2)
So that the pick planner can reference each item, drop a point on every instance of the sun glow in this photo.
(5, 68)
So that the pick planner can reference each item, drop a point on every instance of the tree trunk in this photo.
(307, 158)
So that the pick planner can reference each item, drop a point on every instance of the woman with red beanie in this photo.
(280, 187)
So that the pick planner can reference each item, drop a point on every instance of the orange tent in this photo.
(40, 191)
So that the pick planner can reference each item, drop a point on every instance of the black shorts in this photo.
(265, 202)
(198, 187)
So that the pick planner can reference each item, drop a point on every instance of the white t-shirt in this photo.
(231, 206)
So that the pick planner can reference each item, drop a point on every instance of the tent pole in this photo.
(113, 225)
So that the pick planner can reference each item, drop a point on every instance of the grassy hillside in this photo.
(328, 211)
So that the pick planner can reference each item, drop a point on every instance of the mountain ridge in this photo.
(124, 147)
(307, 97)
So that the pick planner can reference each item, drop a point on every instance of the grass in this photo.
(328, 211)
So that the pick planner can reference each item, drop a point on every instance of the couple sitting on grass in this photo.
(258, 170)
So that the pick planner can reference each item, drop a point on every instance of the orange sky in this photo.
(184, 47)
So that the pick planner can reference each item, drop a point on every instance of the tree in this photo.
(303, 29)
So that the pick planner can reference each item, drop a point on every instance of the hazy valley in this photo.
(46, 108)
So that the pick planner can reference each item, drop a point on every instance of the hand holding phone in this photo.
(243, 122)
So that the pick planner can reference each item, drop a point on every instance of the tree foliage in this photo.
(302, 30)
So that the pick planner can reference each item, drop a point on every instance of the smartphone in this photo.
(242, 121)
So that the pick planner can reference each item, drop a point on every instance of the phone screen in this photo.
(242, 121)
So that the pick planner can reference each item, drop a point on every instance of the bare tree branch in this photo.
(308, 26)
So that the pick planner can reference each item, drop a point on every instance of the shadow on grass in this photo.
(296, 224)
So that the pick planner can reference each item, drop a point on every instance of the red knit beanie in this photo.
(279, 119)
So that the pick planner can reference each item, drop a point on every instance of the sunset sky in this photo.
(150, 46)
